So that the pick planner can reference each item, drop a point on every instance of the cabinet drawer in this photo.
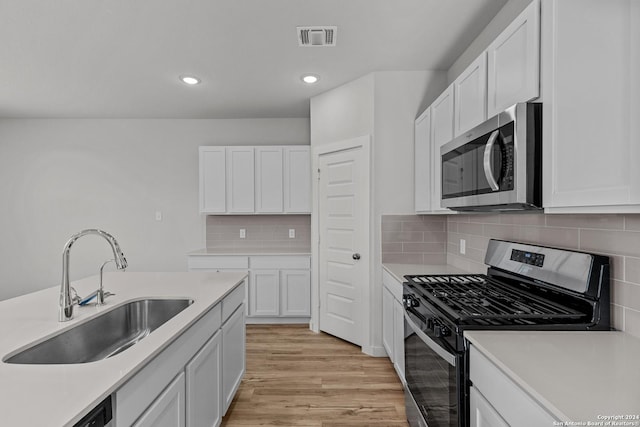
(280, 262)
(233, 301)
(216, 262)
(512, 403)
(392, 285)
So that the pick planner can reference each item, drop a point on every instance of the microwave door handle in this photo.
(488, 170)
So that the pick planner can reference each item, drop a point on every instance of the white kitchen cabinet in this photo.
(279, 287)
(398, 337)
(204, 385)
(240, 178)
(388, 340)
(481, 413)
(470, 96)
(255, 180)
(185, 383)
(591, 105)
(441, 133)
(393, 322)
(297, 179)
(514, 61)
(502, 399)
(422, 162)
(168, 409)
(269, 180)
(264, 293)
(295, 293)
(213, 180)
(233, 345)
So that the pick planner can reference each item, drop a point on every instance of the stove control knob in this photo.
(410, 301)
(441, 331)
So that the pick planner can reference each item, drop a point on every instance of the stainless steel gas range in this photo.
(526, 287)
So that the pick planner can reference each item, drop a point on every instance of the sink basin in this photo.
(105, 335)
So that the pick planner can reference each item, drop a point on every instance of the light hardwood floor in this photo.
(295, 377)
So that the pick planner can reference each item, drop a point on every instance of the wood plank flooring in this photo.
(295, 377)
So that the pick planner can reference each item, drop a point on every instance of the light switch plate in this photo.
(243, 233)
(463, 246)
(292, 233)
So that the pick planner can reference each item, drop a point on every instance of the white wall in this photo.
(383, 105)
(58, 177)
(503, 18)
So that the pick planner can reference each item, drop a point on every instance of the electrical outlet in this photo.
(292, 233)
(463, 246)
(243, 233)
(158, 215)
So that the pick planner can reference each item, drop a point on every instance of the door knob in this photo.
(355, 256)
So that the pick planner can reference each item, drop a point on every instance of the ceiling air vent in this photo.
(317, 36)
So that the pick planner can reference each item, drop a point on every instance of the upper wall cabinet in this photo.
(255, 180)
(470, 91)
(422, 162)
(213, 180)
(441, 133)
(514, 62)
(591, 93)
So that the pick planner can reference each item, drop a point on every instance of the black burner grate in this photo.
(478, 298)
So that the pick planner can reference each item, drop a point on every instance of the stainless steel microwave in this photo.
(496, 166)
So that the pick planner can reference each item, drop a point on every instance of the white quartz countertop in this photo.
(250, 252)
(579, 377)
(59, 395)
(400, 270)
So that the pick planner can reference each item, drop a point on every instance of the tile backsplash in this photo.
(413, 239)
(262, 231)
(617, 236)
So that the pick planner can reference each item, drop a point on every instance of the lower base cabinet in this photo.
(204, 386)
(193, 381)
(168, 409)
(393, 322)
(233, 343)
(497, 401)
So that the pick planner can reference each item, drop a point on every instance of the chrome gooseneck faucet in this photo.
(66, 302)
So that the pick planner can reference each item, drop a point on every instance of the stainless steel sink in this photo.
(105, 335)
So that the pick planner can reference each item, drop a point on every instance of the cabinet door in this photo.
(295, 293)
(269, 179)
(297, 179)
(240, 180)
(387, 323)
(212, 180)
(233, 356)
(591, 131)
(398, 338)
(264, 293)
(168, 409)
(422, 162)
(481, 413)
(470, 90)
(441, 133)
(204, 385)
(514, 62)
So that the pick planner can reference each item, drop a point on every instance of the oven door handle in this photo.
(450, 358)
(488, 170)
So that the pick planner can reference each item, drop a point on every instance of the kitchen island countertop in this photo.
(251, 251)
(59, 395)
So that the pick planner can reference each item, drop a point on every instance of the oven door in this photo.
(432, 375)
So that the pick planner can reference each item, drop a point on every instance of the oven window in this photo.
(431, 381)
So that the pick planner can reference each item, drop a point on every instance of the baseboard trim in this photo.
(375, 351)
(276, 320)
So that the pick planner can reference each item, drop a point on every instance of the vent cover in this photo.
(317, 36)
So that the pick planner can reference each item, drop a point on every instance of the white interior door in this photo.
(344, 242)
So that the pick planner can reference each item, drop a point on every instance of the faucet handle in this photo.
(75, 299)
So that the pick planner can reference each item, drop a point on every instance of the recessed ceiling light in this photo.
(310, 78)
(189, 80)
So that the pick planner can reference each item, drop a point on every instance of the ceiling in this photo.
(122, 58)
